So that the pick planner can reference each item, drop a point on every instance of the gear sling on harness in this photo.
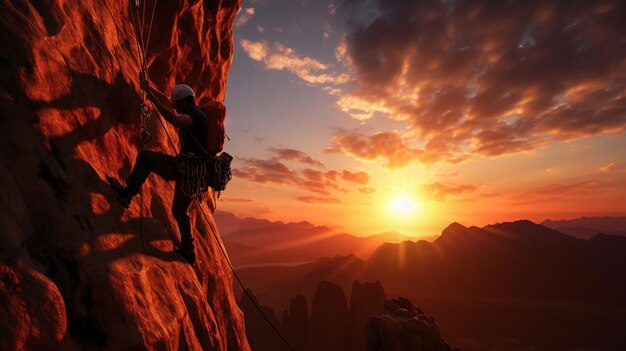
(194, 175)
(200, 173)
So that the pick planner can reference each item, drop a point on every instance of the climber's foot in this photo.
(188, 254)
(121, 192)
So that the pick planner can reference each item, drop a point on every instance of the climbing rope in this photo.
(143, 132)
(232, 268)
(145, 111)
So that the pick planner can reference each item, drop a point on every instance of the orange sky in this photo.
(476, 114)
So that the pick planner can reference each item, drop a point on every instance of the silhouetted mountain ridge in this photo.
(512, 260)
(254, 241)
(506, 276)
(588, 227)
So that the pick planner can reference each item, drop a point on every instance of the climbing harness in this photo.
(199, 172)
(214, 173)
(195, 175)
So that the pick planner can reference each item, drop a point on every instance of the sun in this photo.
(403, 205)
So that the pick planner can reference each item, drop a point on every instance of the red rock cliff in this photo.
(74, 271)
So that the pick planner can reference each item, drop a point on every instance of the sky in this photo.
(390, 115)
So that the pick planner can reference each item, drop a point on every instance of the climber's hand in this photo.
(144, 84)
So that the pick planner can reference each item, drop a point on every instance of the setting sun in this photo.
(403, 205)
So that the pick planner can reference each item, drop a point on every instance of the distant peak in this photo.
(454, 228)
(522, 223)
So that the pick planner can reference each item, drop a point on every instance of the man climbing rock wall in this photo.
(74, 271)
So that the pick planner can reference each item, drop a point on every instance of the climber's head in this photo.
(182, 97)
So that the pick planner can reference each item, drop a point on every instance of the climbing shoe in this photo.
(121, 191)
(188, 254)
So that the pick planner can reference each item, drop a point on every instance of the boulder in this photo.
(404, 327)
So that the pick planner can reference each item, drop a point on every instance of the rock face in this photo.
(75, 271)
(404, 326)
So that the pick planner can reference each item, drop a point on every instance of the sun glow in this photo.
(403, 205)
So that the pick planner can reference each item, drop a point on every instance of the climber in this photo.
(192, 124)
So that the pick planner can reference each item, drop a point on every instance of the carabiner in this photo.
(145, 110)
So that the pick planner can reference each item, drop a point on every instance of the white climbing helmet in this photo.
(181, 91)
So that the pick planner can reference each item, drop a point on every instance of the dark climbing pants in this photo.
(166, 167)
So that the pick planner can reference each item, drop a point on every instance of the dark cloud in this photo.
(266, 171)
(484, 77)
(388, 146)
(313, 180)
(319, 181)
(391, 148)
(439, 191)
(297, 156)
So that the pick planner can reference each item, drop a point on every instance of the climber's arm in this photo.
(177, 121)
(162, 104)
(160, 96)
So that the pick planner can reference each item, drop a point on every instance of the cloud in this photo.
(275, 171)
(578, 190)
(319, 181)
(297, 156)
(358, 177)
(388, 146)
(565, 190)
(481, 78)
(607, 168)
(439, 191)
(266, 171)
(256, 50)
(244, 16)
(558, 191)
(318, 200)
(278, 57)
(391, 148)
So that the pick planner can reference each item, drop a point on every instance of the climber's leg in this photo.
(180, 206)
(149, 161)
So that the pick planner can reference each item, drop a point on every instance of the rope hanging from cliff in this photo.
(245, 290)
(145, 110)
(232, 268)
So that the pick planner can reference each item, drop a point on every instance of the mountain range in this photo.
(588, 227)
(259, 241)
(519, 281)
